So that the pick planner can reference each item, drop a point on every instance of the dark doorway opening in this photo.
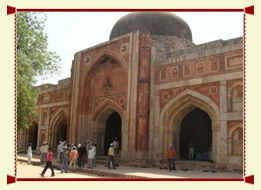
(35, 138)
(61, 133)
(33, 135)
(196, 125)
(112, 131)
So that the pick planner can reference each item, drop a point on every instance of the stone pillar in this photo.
(223, 146)
(74, 98)
(143, 94)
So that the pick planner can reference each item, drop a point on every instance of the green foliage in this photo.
(33, 59)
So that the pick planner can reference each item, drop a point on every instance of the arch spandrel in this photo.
(175, 110)
(184, 103)
(105, 105)
(105, 52)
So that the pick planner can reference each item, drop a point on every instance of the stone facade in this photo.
(162, 90)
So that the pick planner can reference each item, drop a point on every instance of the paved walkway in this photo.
(128, 172)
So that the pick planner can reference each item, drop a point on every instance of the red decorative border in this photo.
(244, 93)
(15, 92)
(247, 10)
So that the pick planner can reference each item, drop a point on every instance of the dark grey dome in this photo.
(158, 23)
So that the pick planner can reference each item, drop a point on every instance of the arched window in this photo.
(175, 73)
(237, 98)
(44, 119)
(237, 142)
(200, 68)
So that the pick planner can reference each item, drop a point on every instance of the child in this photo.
(49, 160)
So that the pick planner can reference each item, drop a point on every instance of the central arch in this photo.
(108, 126)
(112, 131)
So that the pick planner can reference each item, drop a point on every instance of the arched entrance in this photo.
(59, 129)
(33, 135)
(112, 131)
(175, 112)
(196, 125)
(108, 126)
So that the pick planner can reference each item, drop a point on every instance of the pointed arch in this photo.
(110, 53)
(105, 52)
(60, 117)
(186, 101)
(107, 105)
(230, 96)
(230, 137)
(176, 109)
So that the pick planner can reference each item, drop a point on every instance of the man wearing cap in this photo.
(82, 154)
(111, 157)
(171, 153)
(65, 157)
(90, 157)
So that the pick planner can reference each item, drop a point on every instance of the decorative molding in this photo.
(124, 48)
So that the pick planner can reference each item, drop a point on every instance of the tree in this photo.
(33, 59)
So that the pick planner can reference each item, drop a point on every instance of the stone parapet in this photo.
(199, 51)
(62, 84)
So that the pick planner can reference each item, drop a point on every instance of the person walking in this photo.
(29, 153)
(90, 157)
(73, 158)
(65, 157)
(111, 157)
(171, 154)
(49, 163)
(115, 146)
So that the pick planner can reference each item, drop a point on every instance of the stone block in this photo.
(223, 117)
(196, 81)
(232, 76)
(235, 159)
(223, 149)
(234, 116)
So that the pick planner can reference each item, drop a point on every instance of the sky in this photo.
(70, 32)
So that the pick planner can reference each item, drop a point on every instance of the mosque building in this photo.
(149, 86)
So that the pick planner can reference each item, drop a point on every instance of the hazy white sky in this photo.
(70, 32)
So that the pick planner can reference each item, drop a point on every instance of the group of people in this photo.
(71, 155)
(74, 156)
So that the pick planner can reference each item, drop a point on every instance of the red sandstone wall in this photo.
(101, 80)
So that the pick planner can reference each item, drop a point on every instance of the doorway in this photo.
(112, 131)
(196, 125)
(33, 135)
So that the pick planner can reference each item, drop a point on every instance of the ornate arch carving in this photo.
(229, 95)
(230, 137)
(104, 55)
(177, 108)
(105, 105)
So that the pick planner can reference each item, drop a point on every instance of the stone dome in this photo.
(158, 23)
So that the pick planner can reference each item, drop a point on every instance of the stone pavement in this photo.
(121, 171)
